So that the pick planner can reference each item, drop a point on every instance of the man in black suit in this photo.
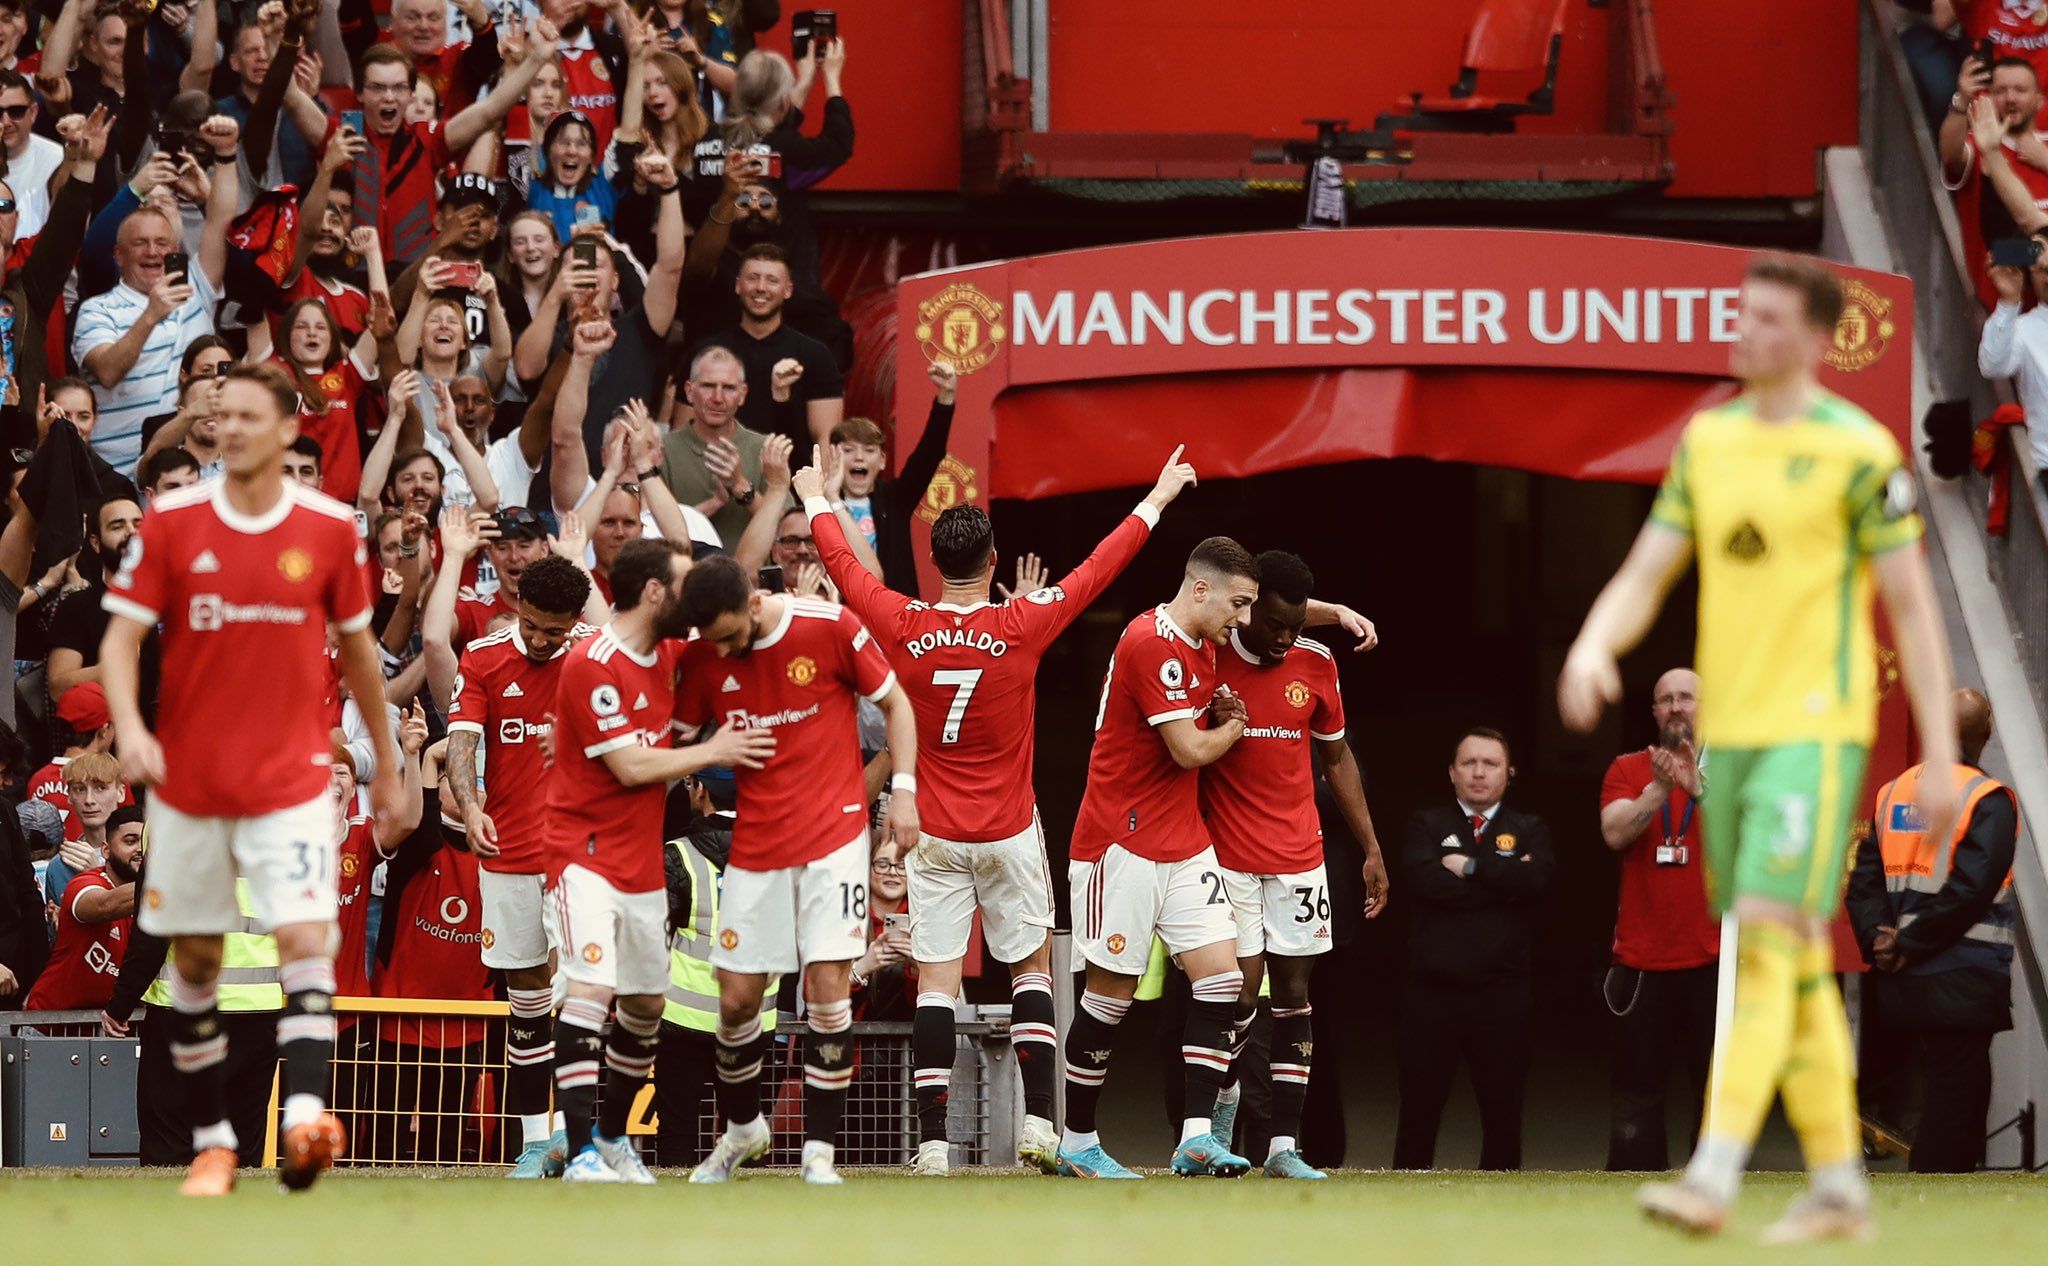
(1475, 872)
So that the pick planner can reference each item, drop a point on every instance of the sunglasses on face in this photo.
(17, 112)
(759, 201)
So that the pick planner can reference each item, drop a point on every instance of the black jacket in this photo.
(1475, 929)
(712, 837)
(1966, 997)
(24, 935)
(897, 499)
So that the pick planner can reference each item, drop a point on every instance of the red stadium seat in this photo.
(1508, 38)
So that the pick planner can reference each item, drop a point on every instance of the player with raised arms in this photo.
(970, 670)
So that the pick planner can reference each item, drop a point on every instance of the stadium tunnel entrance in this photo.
(1460, 431)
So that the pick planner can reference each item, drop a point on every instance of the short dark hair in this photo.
(961, 542)
(380, 53)
(1818, 287)
(1221, 554)
(71, 382)
(100, 507)
(1485, 732)
(166, 461)
(769, 251)
(307, 446)
(715, 587)
(14, 78)
(2019, 63)
(126, 815)
(269, 377)
(1285, 576)
(553, 585)
(638, 561)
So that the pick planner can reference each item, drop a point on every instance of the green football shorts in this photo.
(1777, 823)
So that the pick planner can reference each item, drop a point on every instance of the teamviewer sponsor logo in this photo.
(740, 719)
(209, 613)
(516, 730)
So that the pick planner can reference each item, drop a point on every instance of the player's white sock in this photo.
(219, 1134)
(1076, 1141)
(1716, 1168)
(1194, 1128)
(1281, 1143)
(1229, 1093)
(533, 1128)
(559, 1123)
(817, 1151)
(1843, 1180)
(302, 1110)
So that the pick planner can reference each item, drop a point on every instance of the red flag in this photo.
(270, 230)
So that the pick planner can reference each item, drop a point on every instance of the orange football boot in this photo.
(309, 1149)
(212, 1173)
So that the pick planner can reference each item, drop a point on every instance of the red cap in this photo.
(84, 707)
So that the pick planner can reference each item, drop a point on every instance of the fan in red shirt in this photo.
(331, 380)
(1140, 861)
(615, 714)
(1260, 805)
(83, 712)
(2003, 101)
(248, 573)
(794, 893)
(1667, 943)
(970, 671)
(2014, 29)
(94, 925)
(503, 707)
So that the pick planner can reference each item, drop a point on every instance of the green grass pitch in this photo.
(375, 1218)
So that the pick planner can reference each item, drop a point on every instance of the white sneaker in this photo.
(624, 1160)
(588, 1166)
(818, 1169)
(1038, 1145)
(1812, 1217)
(736, 1147)
(934, 1159)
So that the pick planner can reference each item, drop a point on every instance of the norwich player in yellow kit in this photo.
(1791, 498)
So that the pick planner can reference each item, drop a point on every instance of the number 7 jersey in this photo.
(971, 674)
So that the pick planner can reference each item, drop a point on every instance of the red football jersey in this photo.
(1662, 921)
(359, 858)
(348, 305)
(509, 702)
(1259, 800)
(473, 618)
(1137, 796)
(799, 680)
(609, 697)
(49, 786)
(2014, 27)
(436, 950)
(86, 957)
(333, 428)
(587, 83)
(971, 675)
(245, 604)
(1971, 193)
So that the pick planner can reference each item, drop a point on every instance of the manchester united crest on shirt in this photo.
(295, 565)
(803, 670)
(1298, 694)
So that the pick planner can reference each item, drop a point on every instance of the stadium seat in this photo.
(1508, 38)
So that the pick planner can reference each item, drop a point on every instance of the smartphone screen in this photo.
(584, 252)
(800, 27)
(180, 264)
(771, 580)
(353, 121)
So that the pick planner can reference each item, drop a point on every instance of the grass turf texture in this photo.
(361, 1219)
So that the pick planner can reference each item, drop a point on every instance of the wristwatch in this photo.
(745, 499)
(650, 474)
(1956, 104)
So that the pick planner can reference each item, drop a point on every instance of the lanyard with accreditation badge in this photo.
(1673, 852)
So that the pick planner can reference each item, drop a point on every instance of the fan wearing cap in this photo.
(521, 540)
(84, 726)
(465, 226)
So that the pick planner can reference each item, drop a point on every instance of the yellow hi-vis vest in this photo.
(692, 984)
(248, 966)
(1916, 867)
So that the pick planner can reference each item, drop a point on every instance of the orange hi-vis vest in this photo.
(1916, 867)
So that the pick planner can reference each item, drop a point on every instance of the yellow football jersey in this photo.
(1784, 518)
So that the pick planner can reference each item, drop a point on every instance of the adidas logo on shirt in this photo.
(639, 703)
(513, 692)
(731, 684)
(205, 563)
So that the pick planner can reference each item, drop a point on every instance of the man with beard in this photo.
(615, 709)
(748, 213)
(1667, 945)
(794, 893)
(79, 623)
(95, 921)
(503, 706)
(2013, 88)
(798, 392)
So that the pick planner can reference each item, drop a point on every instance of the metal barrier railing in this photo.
(423, 1083)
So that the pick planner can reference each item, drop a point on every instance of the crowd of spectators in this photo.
(546, 279)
